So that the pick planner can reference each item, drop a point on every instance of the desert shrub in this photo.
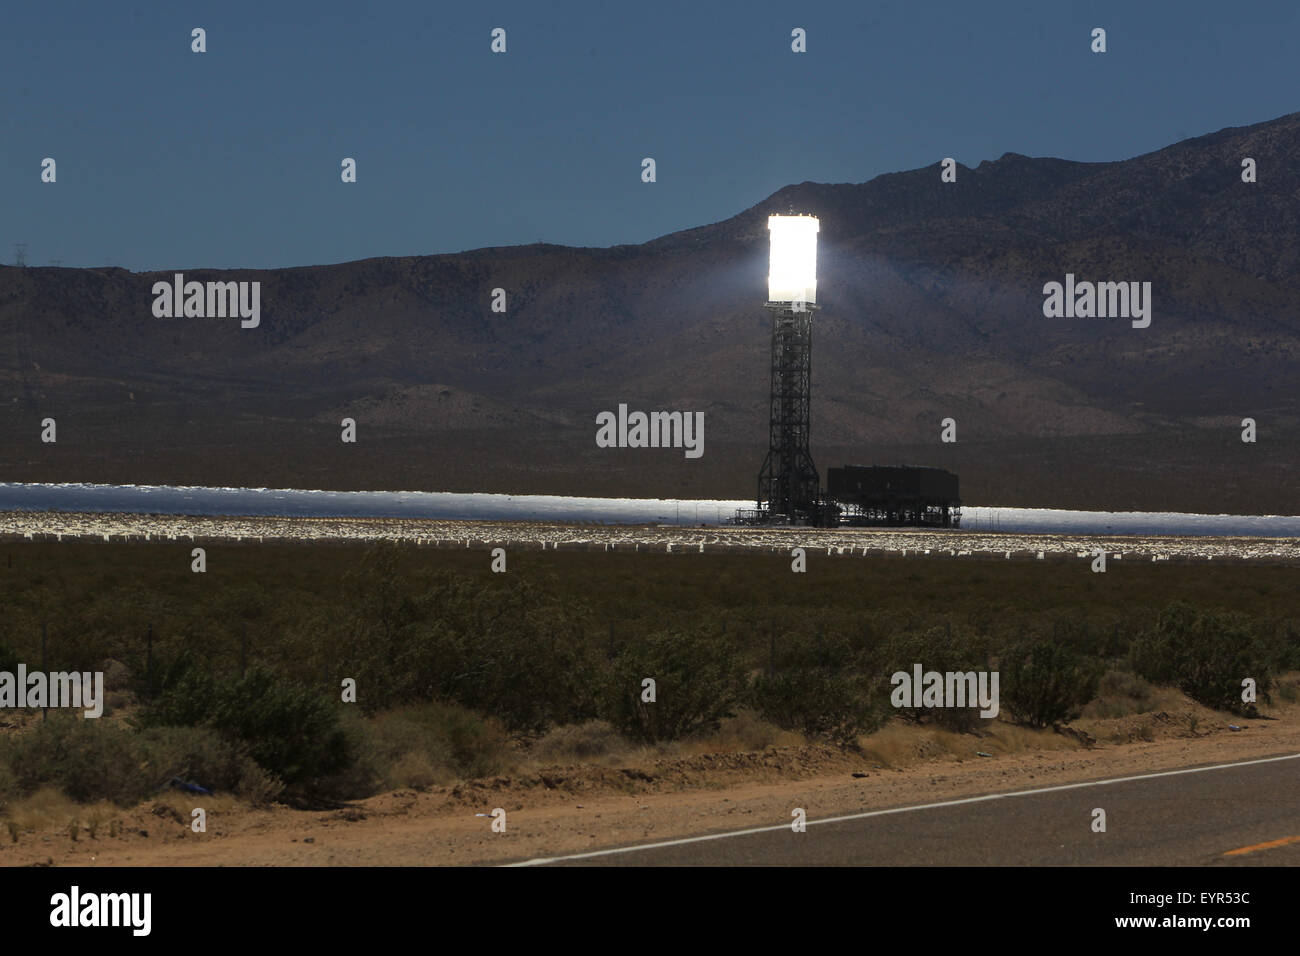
(1288, 647)
(1086, 637)
(529, 669)
(697, 682)
(8, 782)
(259, 787)
(943, 650)
(90, 760)
(1120, 693)
(168, 670)
(413, 770)
(85, 759)
(516, 652)
(1152, 654)
(1120, 683)
(1206, 656)
(198, 754)
(1043, 683)
(411, 753)
(178, 689)
(1288, 690)
(289, 730)
(837, 707)
(442, 739)
(361, 774)
(746, 731)
(818, 688)
(590, 740)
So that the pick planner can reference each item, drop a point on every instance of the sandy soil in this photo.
(559, 810)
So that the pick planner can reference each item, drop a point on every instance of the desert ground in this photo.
(557, 810)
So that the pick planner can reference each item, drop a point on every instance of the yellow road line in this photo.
(1263, 846)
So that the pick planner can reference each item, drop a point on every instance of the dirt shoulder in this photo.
(573, 809)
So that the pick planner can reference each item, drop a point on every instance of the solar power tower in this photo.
(788, 483)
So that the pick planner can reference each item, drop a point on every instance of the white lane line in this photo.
(542, 861)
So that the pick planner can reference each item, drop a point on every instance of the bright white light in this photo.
(792, 274)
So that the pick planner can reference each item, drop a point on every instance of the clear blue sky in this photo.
(171, 159)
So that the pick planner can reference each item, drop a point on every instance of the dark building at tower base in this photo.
(899, 495)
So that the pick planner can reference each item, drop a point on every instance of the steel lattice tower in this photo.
(788, 483)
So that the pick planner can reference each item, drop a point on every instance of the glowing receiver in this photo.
(792, 273)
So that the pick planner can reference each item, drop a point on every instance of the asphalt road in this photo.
(1238, 814)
